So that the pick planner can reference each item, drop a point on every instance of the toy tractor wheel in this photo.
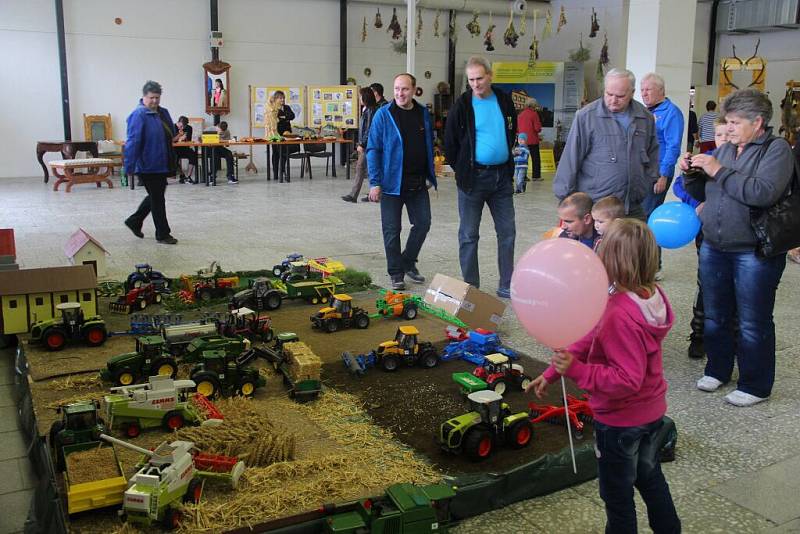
(519, 434)
(194, 491)
(331, 325)
(478, 444)
(277, 271)
(125, 377)
(273, 301)
(207, 384)
(94, 336)
(137, 283)
(267, 335)
(525, 382)
(410, 311)
(131, 429)
(172, 519)
(164, 367)
(173, 420)
(390, 363)
(205, 295)
(247, 388)
(158, 298)
(499, 386)
(142, 303)
(314, 300)
(324, 299)
(362, 321)
(428, 358)
(55, 339)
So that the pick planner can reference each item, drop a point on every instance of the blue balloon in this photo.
(674, 224)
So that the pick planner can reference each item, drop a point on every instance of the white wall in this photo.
(266, 41)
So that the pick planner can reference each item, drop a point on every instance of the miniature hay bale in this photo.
(246, 433)
(80, 397)
(92, 464)
(77, 383)
(303, 363)
(367, 461)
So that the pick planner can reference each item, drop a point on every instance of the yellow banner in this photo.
(519, 71)
(548, 160)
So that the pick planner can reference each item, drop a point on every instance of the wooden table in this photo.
(68, 150)
(97, 171)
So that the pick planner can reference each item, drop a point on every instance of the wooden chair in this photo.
(98, 128)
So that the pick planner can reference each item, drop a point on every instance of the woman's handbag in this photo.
(777, 228)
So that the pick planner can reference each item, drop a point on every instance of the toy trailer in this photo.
(162, 402)
(178, 336)
(303, 386)
(312, 291)
(405, 508)
(93, 494)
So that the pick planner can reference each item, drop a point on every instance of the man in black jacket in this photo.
(478, 141)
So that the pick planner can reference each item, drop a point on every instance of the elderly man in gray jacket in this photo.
(612, 149)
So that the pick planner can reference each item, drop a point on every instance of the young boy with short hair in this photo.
(575, 212)
(520, 153)
(604, 212)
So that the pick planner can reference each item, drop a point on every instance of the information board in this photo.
(334, 105)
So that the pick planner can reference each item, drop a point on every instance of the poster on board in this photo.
(295, 98)
(333, 105)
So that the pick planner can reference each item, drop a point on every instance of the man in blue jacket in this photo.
(400, 166)
(150, 156)
(669, 130)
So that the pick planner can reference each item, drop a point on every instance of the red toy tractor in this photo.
(579, 413)
(136, 299)
(248, 323)
(498, 373)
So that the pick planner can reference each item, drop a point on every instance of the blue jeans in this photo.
(520, 174)
(494, 188)
(740, 281)
(627, 457)
(418, 205)
(654, 200)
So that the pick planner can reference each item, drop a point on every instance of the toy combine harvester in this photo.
(172, 473)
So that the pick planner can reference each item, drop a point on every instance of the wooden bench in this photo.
(82, 171)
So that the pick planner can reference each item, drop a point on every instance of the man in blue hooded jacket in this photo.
(400, 166)
(150, 156)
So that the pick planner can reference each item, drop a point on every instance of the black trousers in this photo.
(154, 202)
(536, 161)
(222, 152)
(280, 158)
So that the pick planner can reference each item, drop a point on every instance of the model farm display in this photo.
(236, 346)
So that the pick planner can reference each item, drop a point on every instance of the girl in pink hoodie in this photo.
(620, 364)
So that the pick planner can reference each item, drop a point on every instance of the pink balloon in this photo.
(559, 291)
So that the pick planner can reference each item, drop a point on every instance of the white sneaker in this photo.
(659, 275)
(708, 383)
(740, 398)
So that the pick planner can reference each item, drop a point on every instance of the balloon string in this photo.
(569, 431)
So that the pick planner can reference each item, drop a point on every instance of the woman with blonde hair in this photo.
(529, 123)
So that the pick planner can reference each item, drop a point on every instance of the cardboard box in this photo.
(476, 308)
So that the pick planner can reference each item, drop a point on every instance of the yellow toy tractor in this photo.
(406, 348)
(340, 314)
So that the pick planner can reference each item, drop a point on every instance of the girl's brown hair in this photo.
(630, 254)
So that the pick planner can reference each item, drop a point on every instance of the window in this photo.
(63, 298)
(12, 304)
(87, 297)
(39, 301)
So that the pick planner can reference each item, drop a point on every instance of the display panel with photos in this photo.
(333, 105)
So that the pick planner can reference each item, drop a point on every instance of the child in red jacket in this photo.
(620, 364)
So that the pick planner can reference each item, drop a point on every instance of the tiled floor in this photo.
(736, 470)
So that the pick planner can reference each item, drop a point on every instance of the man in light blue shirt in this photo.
(480, 135)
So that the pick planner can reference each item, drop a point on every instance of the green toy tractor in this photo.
(222, 373)
(149, 359)
(489, 423)
(79, 425)
(72, 325)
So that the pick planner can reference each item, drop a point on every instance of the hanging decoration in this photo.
(378, 21)
(394, 26)
(595, 25)
(419, 25)
(603, 62)
(436, 23)
(401, 46)
(523, 20)
(489, 35)
(364, 30)
(582, 54)
(756, 64)
(534, 48)
(562, 20)
(473, 26)
(510, 37)
(548, 24)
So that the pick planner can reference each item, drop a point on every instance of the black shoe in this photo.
(697, 348)
(232, 180)
(414, 276)
(280, 181)
(398, 283)
(348, 198)
(136, 229)
(182, 179)
(139, 183)
(168, 240)
(364, 198)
